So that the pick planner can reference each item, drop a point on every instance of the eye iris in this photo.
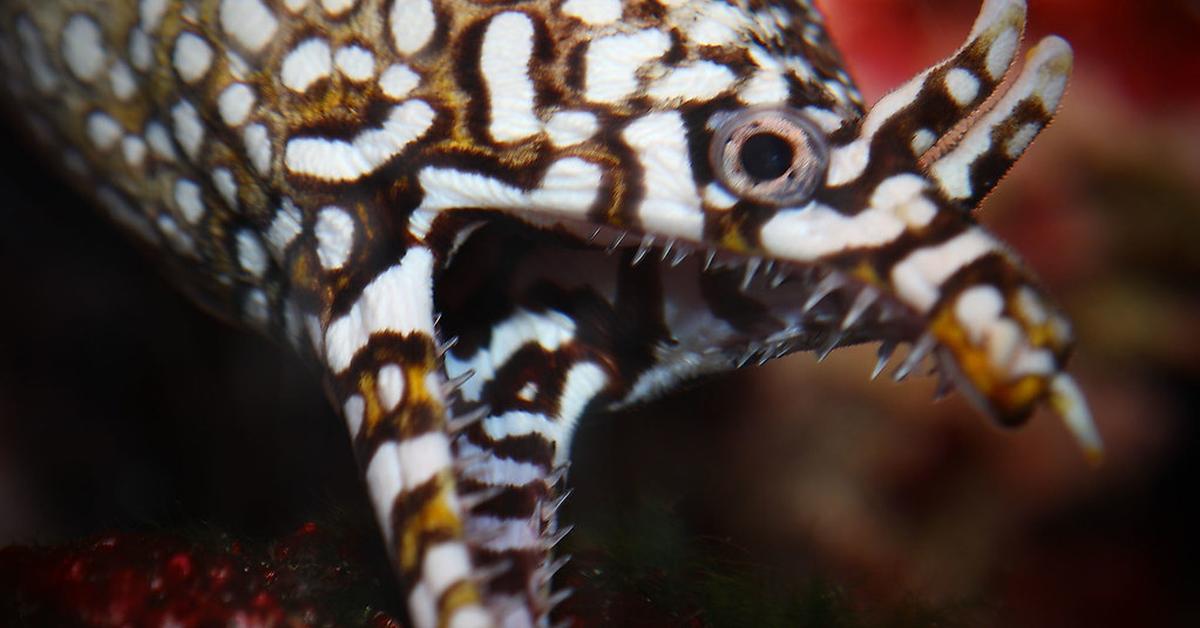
(766, 156)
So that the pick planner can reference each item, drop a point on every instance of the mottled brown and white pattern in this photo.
(486, 220)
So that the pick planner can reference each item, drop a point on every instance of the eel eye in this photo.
(773, 156)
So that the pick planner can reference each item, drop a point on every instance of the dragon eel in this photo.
(486, 220)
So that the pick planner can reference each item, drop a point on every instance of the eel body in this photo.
(485, 220)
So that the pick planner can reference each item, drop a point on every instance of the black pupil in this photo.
(766, 156)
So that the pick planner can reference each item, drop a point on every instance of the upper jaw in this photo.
(992, 332)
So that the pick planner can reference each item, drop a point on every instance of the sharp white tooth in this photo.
(886, 348)
(778, 278)
(945, 386)
(751, 268)
(559, 597)
(708, 259)
(463, 421)
(864, 300)
(643, 248)
(454, 383)
(592, 238)
(552, 568)
(446, 346)
(558, 474)
(831, 282)
(681, 254)
(557, 537)
(551, 508)
(914, 357)
(830, 345)
(1069, 404)
(667, 249)
(747, 356)
(437, 320)
(612, 246)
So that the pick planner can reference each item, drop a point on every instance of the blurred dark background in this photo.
(795, 494)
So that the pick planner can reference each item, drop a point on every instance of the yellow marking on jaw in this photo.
(464, 593)
(1011, 399)
(438, 515)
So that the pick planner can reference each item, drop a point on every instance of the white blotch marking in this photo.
(235, 103)
(45, 78)
(613, 62)
(422, 607)
(125, 214)
(121, 80)
(903, 195)
(355, 63)
(1000, 55)
(400, 300)
(337, 7)
(495, 471)
(250, 253)
(338, 160)
(103, 130)
(962, 86)
(151, 13)
(398, 81)
(568, 189)
(133, 148)
(412, 23)
(141, 50)
(764, 87)
(390, 386)
(919, 276)
(189, 200)
(1032, 309)
(593, 12)
(702, 80)
(353, 411)
(83, 47)
(550, 330)
(179, 239)
(258, 147)
(717, 197)
(922, 140)
(423, 457)
(385, 482)
(847, 163)
(583, 381)
(189, 131)
(295, 6)
(192, 57)
(284, 229)
(977, 309)
(335, 237)
(505, 534)
(309, 62)
(671, 205)
(713, 23)
(445, 564)
(504, 63)
(528, 392)
(1022, 139)
(825, 119)
(256, 308)
(250, 22)
(227, 186)
(475, 616)
(568, 128)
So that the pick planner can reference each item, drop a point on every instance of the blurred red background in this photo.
(795, 494)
